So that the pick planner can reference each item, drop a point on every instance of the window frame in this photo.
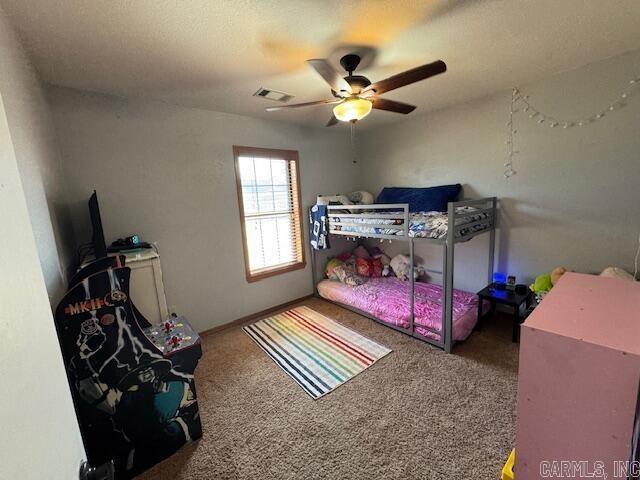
(291, 156)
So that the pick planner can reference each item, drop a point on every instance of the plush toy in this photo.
(329, 268)
(385, 261)
(361, 252)
(400, 266)
(546, 281)
(348, 276)
(333, 199)
(542, 283)
(616, 272)
(364, 266)
(557, 273)
(376, 252)
(369, 267)
(361, 197)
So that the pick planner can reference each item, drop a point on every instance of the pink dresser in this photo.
(578, 378)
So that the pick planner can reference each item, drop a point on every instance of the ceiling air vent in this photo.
(274, 95)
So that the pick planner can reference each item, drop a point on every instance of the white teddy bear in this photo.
(400, 266)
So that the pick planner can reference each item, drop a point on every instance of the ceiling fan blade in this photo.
(392, 106)
(333, 78)
(408, 77)
(332, 121)
(307, 104)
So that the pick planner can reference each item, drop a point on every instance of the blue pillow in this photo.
(421, 199)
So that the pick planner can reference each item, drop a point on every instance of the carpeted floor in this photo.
(418, 413)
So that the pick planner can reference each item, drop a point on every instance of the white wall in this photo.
(37, 153)
(167, 173)
(40, 437)
(576, 198)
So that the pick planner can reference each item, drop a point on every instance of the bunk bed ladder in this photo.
(447, 291)
(492, 241)
(411, 286)
(314, 272)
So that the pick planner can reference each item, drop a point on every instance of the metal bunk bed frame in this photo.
(463, 232)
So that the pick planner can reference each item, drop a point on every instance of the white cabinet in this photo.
(146, 287)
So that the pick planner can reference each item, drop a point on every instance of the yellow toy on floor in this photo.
(507, 470)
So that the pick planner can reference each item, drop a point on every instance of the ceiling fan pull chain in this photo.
(354, 152)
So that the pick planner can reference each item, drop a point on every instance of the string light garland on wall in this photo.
(521, 102)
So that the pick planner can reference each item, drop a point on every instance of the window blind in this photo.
(268, 192)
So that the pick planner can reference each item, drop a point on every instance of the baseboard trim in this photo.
(254, 316)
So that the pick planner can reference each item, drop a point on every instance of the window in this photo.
(269, 197)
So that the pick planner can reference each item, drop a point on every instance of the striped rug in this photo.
(316, 351)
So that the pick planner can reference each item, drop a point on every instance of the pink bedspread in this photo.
(388, 299)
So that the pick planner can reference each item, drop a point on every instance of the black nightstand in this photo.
(505, 297)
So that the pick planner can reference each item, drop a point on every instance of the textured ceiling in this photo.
(214, 54)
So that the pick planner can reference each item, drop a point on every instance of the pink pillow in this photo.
(369, 267)
(364, 267)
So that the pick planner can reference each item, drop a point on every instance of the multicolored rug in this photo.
(316, 351)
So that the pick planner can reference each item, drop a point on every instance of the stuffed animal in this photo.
(348, 276)
(333, 200)
(400, 266)
(369, 267)
(329, 268)
(546, 281)
(376, 252)
(361, 197)
(542, 283)
(557, 273)
(386, 264)
(616, 272)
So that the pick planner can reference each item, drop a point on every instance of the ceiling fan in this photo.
(355, 96)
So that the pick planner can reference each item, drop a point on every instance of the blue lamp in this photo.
(499, 280)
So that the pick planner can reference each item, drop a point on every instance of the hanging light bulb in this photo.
(352, 109)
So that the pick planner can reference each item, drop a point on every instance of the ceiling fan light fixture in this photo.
(352, 109)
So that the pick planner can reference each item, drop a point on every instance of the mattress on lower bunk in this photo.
(388, 299)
